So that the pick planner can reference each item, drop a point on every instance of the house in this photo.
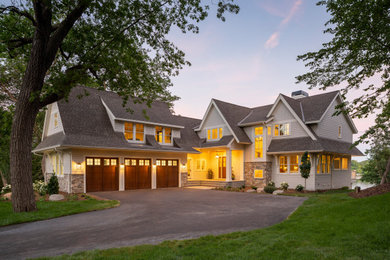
(94, 143)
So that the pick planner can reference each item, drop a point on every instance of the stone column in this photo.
(228, 165)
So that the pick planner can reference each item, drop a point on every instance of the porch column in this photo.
(228, 165)
(121, 174)
(154, 176)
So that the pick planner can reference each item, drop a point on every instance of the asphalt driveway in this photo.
(146, 217)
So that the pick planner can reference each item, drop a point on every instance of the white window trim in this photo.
(211, 134)
(134, 133)
(288, 164)
(163, 136)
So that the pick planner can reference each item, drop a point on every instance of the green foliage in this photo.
(269, 189)
(6, 189)
(53, 186)
(305, 166)
(254, 187)
(284, 185)
(299, 187)
(358, 166)
(40, 187)
(376, 164)
(210, 174)
(358, 51)
(271, 183)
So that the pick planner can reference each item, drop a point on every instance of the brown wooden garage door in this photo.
(167, 173)
(138, 174)
(102, 174)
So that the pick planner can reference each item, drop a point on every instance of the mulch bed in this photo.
(376, 190)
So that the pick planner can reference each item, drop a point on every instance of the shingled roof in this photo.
(93, 128)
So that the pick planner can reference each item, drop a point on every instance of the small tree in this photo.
(305, 166)
(52, 186)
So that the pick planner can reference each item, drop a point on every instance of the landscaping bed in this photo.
(376, 190)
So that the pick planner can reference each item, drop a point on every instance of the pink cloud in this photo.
(292, 12)
(272, 41)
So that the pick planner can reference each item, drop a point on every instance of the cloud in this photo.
(273, 40)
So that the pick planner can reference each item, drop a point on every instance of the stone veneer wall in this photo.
(184, 179)
(77, 183)
(63, 181)
(249, 170)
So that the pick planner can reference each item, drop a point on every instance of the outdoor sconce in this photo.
(122, 165)
(78, 166)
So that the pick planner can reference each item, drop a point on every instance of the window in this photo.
(337, 163)
(141, 162)
(269, 130)
(127, 162)
(163, 135)
(284, 129)
(258, 173)
(55, 120)
(283, 164)
(344, 164)
(89, 161)
(200, 165)
(133, 162)
(259, 147)
(58, 170)
(134, 132)
(214, 134)
(97, 161)
(328, 164)
(325, 164)
(174, 163)
(147, 162)
(294, 163)
(259, 130)
(106, 162)
(276, 132)
(113, 162)
(340, 131)
(158, 162)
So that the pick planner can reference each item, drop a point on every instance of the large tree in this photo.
(357, 55)
(54, 45)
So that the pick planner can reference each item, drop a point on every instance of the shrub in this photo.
(233, 177)
(271, 183)
(40, 187)
(299, 187)
(6, 189)
(269, 189)
(52, 186)
(284, 185)
(210, 174)
(254, 187)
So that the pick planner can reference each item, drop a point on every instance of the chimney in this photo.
(299, 94)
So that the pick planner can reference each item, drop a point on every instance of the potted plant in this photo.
(210, 174)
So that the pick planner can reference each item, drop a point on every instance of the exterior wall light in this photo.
(78, 166)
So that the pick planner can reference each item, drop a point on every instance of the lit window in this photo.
(147, 162)
(328, 163)
(106, 162)
(259, 147)
(139, 132)
(344, 164)
(208, 134)
(215, 133)
(89, 161)
(294, 163)
(258, 173)
(318, 164)
(337, 163)
(133, 162)
(141, 162)
(127, 162)
(159, 134)
(269, 130)
(259, 130)
(97, 161)
(113, 162)
(174, 163)
(168, 135)
(158, 162)
(169, 163)
(204, 165)
(284, 129)
(129, 131)
(220, 133)
(283, 164)
(276, 132)
(163, 162)
(198, 164)
(55, 120)
(340, 131)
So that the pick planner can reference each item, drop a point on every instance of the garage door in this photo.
(102, 174)
(137, 174)
(167, 173)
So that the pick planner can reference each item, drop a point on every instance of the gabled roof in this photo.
(233, 114)
(256, 115)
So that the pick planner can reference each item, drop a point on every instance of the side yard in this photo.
(329, 225)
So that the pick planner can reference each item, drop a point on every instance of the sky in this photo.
(252, 57)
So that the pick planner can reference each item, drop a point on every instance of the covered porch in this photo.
(216, 167)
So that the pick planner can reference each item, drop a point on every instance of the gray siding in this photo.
(50, 128)
(328, 127)
(213, 120)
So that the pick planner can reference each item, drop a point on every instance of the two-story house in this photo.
(94, 143)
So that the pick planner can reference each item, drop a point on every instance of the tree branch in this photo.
(10, 95)
(14, 9)
(16, 43)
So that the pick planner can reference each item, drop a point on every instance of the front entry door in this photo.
(222, 167)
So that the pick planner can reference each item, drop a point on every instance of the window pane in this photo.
(220, 132)
(141, 162)
(276, 132)
(139, 132)
(129, 131)
(163, 162)
(284, 129)
(174, 163)
(209, 134)
(158, 162)
(203, 165)
(133, 162)
(55, 119)
(259, 130)
(97, 161)
(89, 161)
(215, 133)
(259, 147)
(147, 162)
(159, 134)
(169, 163)
(336, 163)
(328, 163)
(106, 162)
(345, 163)
(283, 164)
(323, 162)
(258, 173)
(113, 162)
(168, 135)
(294, 163)
(127, 162)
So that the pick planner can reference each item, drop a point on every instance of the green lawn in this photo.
(326, 226)
(51, 209)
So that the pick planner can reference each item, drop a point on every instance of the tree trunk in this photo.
(384, 176)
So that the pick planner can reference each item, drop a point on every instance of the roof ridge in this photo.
(229, 103)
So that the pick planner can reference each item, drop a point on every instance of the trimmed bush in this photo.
(284, 185)
(210, 174)
(299, 187)
(254, 187)
(271, 183)
(269, 189)
(40, 187)
(53, 186)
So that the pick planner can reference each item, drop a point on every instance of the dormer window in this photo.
(282, 130)
(214, 134)
(55, 120)
(163, 135)
(134, 132)
(340, 131)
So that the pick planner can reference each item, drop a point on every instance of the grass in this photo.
(51, 209)
(327, 226)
